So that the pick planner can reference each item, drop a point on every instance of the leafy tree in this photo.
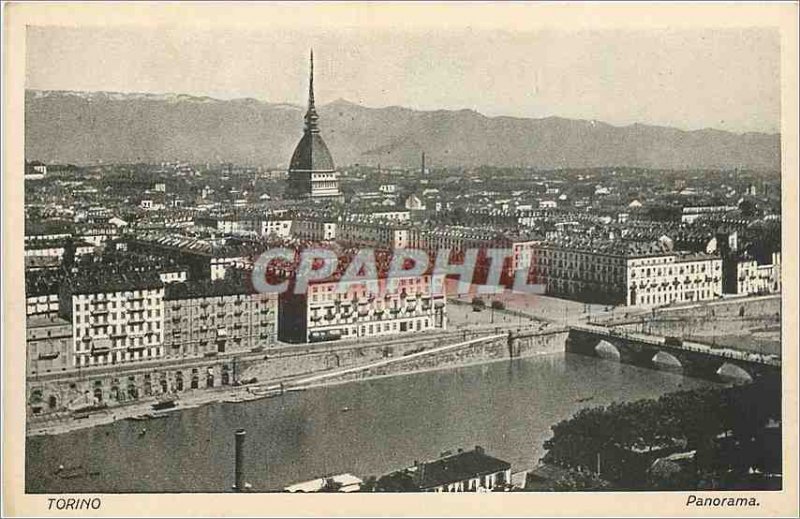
(396, 482)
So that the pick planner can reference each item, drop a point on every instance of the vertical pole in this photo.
(598, 463)
(239, 461)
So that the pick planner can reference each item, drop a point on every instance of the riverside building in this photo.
(613, 272)
(117, 318)
(323, 313)
(204, 319)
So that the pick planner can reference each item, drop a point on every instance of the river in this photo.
(507, 407)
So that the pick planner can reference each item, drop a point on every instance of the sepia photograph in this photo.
(353, 255)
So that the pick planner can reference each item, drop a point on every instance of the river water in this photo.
(507, 407)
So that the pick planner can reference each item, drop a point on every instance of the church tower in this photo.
(312, 173)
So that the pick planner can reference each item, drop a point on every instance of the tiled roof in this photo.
(457, 467)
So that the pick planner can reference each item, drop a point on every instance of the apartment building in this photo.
(755, 278)
(323, 313)
(673, 278)
(613, 272)
(373, 233)
(116, 317)
(314, 229)
(48, 344)
(204, 319)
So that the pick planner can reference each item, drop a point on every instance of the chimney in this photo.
(479, 449)
(239, 484)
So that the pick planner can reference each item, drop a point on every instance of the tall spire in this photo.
(311, 114)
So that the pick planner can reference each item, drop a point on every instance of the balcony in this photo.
(100, 350)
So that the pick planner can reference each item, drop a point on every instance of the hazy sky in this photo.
(727, 79)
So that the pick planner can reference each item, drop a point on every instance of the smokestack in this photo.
(239, 467)
(423, 163)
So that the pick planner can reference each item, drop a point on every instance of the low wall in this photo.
(51, 394)
(513, 346)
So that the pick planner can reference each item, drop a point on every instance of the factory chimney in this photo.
(239, 484)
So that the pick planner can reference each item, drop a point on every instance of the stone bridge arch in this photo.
(607, 350)
(730, 371)
(666, 361)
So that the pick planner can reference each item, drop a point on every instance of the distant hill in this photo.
(82, 127)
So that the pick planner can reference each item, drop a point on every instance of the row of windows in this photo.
(128, 293)
(405, 326)
(118, 356)
(117, 316)
(692, 268)
(668, 298)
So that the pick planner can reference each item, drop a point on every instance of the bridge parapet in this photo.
(649, 351)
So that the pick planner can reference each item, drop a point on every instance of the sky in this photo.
(727, 79)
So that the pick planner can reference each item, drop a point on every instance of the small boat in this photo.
(76, 471)
(86, 405)
(584, 399)
(267, 393)
(166, 401)
(148, 416)
(143, 431)
(238, 399)
(345, 409)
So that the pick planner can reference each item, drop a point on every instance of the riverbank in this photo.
(506, 407)
(407, 364)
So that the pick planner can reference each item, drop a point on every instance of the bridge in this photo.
(650, 351)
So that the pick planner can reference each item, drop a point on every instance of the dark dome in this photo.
(312, 154)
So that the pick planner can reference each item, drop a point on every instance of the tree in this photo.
(69, 255)
(396, 482)
(370, 484)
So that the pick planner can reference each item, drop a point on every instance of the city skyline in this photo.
(684, 79)
(401, 248)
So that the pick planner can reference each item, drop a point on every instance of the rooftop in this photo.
(456, 467)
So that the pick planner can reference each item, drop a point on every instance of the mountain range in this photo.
(87, 127)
